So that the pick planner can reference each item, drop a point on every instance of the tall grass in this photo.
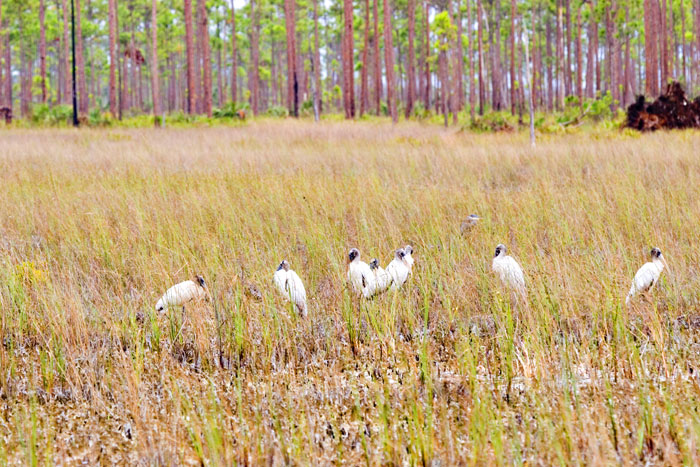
(96, 224)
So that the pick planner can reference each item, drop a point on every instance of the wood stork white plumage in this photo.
(382, 279)
(509, 271)
(398, 269)
(360, 275)
(648, 275)
(289, 284)
(182, 293)
(469, 223)
(408, 257)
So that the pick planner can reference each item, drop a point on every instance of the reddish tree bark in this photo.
(80, 62)
(426, 28)
(480, 19)
(206, 58)
(377, 61)
(68, 82)
(389, 58)
(364, 87)
(590, 62)
(234, 59)
(411, 71)
(292, 78)
(155, 88)
(255, 59)
(113, 60)
(512, 57)
(317, 66)
(348, 55)
(42, 49)
(189, 45)
(470, 61)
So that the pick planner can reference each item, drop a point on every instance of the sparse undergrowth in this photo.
(95, 224)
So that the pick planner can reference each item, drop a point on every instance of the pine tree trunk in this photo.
(113, 60)
(154, 60)
(590, 62)
(2, 82)
(25, 98)
(8, 72)
(42, 49)
(317, 66)
(255, 59)
(80, 62)
(460, 60)
(219, 68)
(389, 58)
(292, 78)
(377, 61)
(512, 57)
(480, 20)
(567, 44)
(348, 68)
(697, 41)
(234, 60)
(189, 44)
(364, 86)
(579, 59)
(495, 41)
(560, 57)
(68, 82)
(206, 58)
(470, 61)
(426, 44)
(411, 85)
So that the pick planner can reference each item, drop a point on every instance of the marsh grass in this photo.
(96, 224)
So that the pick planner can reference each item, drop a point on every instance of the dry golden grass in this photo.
(96, 224)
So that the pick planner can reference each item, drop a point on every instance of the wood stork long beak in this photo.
(663, 260)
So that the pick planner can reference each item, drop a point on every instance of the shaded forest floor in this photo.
(95, 224)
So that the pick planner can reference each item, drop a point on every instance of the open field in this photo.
(95, 224)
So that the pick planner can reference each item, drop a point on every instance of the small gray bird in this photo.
(469, 223)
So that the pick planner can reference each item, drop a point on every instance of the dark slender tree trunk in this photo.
(590, 61)
(470, 60)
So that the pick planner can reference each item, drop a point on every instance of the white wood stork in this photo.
(648, 275)
(290, 286)
(382, 279)
(182, 293)
(509, 271)
(360, 275)
(398, 269)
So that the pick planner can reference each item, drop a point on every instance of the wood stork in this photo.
(398, 269)
(382, 279)
(469, 223)
(408, 257)
(182, 293)
(290, 286)
(648, 275)
(360, 275)
(509, 271)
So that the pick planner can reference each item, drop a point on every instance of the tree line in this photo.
(386, 57)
